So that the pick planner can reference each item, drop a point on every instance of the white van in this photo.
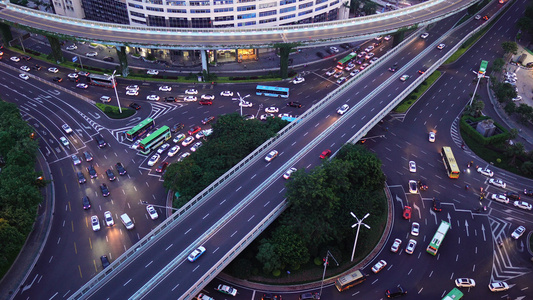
(127, 221)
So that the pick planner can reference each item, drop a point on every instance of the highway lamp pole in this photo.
(328, 254)
(474, 94)
(161, 206)
(115, 87)
(358, 224)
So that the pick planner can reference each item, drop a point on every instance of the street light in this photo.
(328, 254)
(161, 206)
(358, 224)
(115, 86)
(241, 100)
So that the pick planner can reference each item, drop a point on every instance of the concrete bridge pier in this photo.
(204, 61)
(5, 33)
(123, 61)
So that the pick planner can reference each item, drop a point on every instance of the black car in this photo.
(57, 79)
(320, 54)
(271, 297)
(37, 67)
(100, 140)
(436, 205)
(422, 185)
(171, 99)
(528, 192)
(120, 169)
(105, 190)
(135, 106)
(92, 171)
(396, 292)
(25, 57)
(345, 46)
(110, 174)
(108, 58)
(86, 202)
(105, 261)
(294, 104)
(177, 127)
(394, 68)
(512, 195)
(208, 120)
(88, 156)
(422, 71)
(81, 177)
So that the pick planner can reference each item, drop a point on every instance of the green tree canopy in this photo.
(510, 47)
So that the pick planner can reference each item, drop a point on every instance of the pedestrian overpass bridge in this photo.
(214, 38)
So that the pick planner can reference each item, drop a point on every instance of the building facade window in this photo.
(267, 13)
(267, 5)
(287, 17)
(156, 21)
(176, 3)
(223, 9)
(265, 21)
(321, 7)
(305, 5)
(246, 8)
(136, 14)
(222, 2)
(285, 2)
(160, 2)
(158, 9)
(287, 9)
(303, 13)
(199, 3)
(178, 22)
(224, 18)
(177, 11)
(200, 11)
(246, 24)
(246, 16)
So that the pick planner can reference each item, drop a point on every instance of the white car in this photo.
(132, 93)
(25, 68)
(132, 87)
(187, 141)
(152, 72)
(379, 266)
(196, 253)
(517, 233)
(266, 116)
(73, 75)
(270, 156)
(24, 76)
(183, 156)
(191, 92)
(136, 144)
(153, 160)
(271, 109)
(412, 166)
(498, 286)
(396, 245)
(465, 282)
(522, 205)
(53, 70)
(152, 212)
(64, 141)
(341, 80)
(485, 172)
(355, 72)
(224, 289)
(105, 99)
(498, 183)
(334, 49)
(289, 172)
(163, 148)
(196, 146)
(190, 99)
(344, 108)
(441, 46)
(413, 187)
(165, 88)
(72, 47)
(374, 59)
(350, 67)
(369, 55)
(95, 223)
(108, 217)
(75, 159)
(424, 35)
(500, 198)
(477, 17)
(91, 54)
(180, 137)
(82, 86)
(411, 247)
(245, 104)
(208, 97)
(66, 128)
(173, 150)
(369, 48)
(331, 72)
(432, 137)
(415, 229)
(388, 37)
(297, 80)
(518, 98)
(14, 58)
(338, 74)
(226, 93)
(200, 135)
(404, 77)
(153, 97)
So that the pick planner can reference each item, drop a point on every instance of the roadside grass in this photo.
(113, 111)
(419, 91)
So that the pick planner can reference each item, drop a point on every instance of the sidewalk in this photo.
(28, 256)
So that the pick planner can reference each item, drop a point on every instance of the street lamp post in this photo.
(328, 254)
(115, 87)
(161, 206)
(358, 224)
(241, 100)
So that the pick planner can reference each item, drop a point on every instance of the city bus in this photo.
(156, 139)
(454, 294)
(101, 80)
(140, 129)
(272, 91)
(347, 281)
(449, 162)
(483, 68)
(346, 60)
(434, 245)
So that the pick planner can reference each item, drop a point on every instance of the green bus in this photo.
(454, 294)
(483, 68)
(155, 140)
(140, 129)
(436, 241)
(346, 60)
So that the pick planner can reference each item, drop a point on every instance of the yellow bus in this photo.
(449, 162)
(347, 281)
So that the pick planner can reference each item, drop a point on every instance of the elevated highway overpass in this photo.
(214, 38)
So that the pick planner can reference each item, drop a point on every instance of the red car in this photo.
(325, 153)
(194, 130)
(407, 212)
(205, 102)
(162, 167)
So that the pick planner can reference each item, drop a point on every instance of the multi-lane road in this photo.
(50, 108)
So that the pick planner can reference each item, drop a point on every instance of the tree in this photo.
(512, 134)
(510, 47)
(370, 8)
(525, 112)
(510, 108)
(504, 92)
(525, 24)
(515, 150)
(527, 168)
(290, 247)
(498, 64)
(268, 256)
